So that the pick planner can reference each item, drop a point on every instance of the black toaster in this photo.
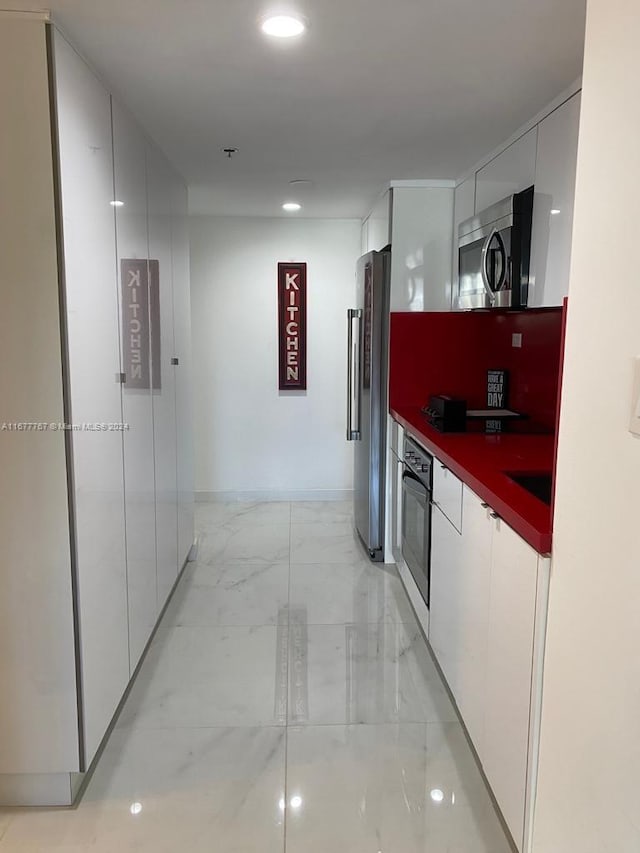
(447, 414)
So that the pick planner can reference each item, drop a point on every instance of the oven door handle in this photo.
(415, 487)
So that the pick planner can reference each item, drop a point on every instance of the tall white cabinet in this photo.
(92, 328)
(110, 502)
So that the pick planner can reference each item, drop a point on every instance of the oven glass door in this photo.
(416, 530)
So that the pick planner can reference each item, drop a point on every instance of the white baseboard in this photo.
(38, 789)
(270, 495)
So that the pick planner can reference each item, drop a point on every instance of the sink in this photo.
(538, 485)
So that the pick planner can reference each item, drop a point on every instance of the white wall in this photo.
(589, 785)
(249, 436)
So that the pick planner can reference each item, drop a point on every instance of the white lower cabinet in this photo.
(508, 687)
(446, 583)
(474, 609)
(487, 619)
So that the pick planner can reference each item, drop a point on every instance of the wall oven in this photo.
(494, 255)
(416, 514)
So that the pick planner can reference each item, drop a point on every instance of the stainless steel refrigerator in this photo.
(368, 355)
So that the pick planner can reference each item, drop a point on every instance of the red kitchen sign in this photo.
(140, 295)
(292, 326)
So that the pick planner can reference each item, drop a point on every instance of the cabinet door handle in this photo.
(485, 506)
(495, 515)
(444, 467)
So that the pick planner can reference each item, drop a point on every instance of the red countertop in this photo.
(480, 461)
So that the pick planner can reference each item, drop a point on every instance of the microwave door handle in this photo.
(483, 267)
(354, 317)
(502, 251)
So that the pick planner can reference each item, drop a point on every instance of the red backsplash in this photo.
(450, 353)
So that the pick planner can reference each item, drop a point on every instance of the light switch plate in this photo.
(516, 340)
(634, 421)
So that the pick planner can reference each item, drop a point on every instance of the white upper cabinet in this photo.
(86, 179)
(553, 206)
(377, 226)
(421, 247)
(463, 208)
(512, 171)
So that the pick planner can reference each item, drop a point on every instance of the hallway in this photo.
(288, 702)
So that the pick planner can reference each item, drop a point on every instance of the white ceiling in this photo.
(375, 90)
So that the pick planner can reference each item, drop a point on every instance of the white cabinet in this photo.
(421, 243)
(132, 243)
(183, 370)
(487, 619)
(38, 709)
(475, 558)
(110, 516)
(553, 205)
(447, 493)
(463, 208)
(376, 228)
(460, 573)
(512, 171)
(86, 181)
(509, 663)
(446, 583)
(160, 205)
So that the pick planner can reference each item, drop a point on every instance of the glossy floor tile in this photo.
(209, 676)
(326, 542)
(342, 593)
(410, 787)
(287, 704)
(362, 673)
(240, 593)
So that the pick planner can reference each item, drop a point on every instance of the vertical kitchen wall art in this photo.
(140, 285)
(292, 326)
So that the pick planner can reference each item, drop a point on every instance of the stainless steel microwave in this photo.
(494, 255)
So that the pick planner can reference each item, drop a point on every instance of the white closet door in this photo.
(160, 200)
(86, 165)
(184, 402)
(136, 309)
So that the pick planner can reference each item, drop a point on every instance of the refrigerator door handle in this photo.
(354, 317)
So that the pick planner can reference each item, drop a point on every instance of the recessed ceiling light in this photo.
(302, 183)
(283, 26)
(437, 795)
(116, 203)
(291, 206)
(555, 211)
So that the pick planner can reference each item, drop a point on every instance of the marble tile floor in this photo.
(288, 704)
